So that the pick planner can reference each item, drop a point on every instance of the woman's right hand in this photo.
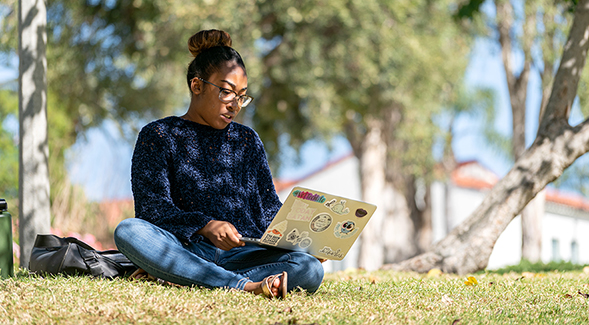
(222, 234)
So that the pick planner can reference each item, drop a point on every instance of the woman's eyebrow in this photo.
(232, 84)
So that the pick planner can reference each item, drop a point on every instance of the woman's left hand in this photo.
(222, 234)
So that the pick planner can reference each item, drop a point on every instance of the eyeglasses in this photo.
(228, 95)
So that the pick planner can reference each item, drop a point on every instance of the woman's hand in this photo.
(222, 234)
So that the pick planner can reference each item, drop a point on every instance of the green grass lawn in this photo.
(351, 297)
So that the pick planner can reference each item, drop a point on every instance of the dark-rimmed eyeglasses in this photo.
(228, 95)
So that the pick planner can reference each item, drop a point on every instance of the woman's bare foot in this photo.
(275, 286)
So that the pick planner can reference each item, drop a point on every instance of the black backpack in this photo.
(69, 256)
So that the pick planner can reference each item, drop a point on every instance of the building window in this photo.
(555, 250)
(574, 252)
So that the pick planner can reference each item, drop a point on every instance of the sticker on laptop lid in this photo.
(300, 211)
(273, 236)
(309, 196)
(305, 242)
(320, 222)
(302, 239)
(328, 251)
(361, 213)
(345, 229)
(339, 208)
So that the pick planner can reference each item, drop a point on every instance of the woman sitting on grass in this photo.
(200, 181)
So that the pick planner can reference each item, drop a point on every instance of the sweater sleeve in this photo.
(150, 180)
(269, 198)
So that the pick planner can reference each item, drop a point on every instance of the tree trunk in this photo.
(395, 195)
(34, 205)
(372, 171)
(398, 221)
(468, 247)
(532, 228)
(531, 216)
(409, 218)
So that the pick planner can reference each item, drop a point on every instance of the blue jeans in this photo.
(162, 255)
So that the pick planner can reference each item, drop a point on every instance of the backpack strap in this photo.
(91, 260)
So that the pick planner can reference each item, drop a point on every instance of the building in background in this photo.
(566, 215)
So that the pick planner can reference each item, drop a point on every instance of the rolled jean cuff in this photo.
(240, 285)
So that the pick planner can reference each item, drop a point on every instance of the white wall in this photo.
(565, 230)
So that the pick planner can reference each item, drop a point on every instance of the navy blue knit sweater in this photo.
(185, 174)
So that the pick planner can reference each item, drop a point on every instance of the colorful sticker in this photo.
(320, 222)
(309, 196)
(300, 211)
(301, 239)
(339, 208)
(327, 251)
(360, 213)
(273, 236)
(345, 229)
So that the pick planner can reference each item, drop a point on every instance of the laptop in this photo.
(323, 225)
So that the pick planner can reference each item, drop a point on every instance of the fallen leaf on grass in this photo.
(568, 296)
(286, 310)
(456, 321)
(527, 274)
(532, 275)
(471, 281)
(434, 272)
(586, 295)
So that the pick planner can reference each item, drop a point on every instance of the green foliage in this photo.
(110, 59)
(538, 267)
(337, 64)
(469, 9)
(8, 148)
(316, 68)
(8, 27)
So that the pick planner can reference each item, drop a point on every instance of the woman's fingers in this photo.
(222, 234)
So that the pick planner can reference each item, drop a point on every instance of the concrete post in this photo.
(34, 210)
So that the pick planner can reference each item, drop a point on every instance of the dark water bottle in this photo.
(6, 262)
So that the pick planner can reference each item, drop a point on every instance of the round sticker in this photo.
(320, 222)
(305, 242)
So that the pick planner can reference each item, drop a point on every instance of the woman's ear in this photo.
(195, 86)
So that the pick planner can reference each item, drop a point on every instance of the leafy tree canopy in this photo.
(316, 68)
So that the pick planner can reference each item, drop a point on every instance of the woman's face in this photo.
(208, 108)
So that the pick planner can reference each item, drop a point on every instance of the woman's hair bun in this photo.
(205, 39)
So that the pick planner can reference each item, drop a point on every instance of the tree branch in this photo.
(567, 77)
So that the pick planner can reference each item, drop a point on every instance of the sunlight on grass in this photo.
(351, 297)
